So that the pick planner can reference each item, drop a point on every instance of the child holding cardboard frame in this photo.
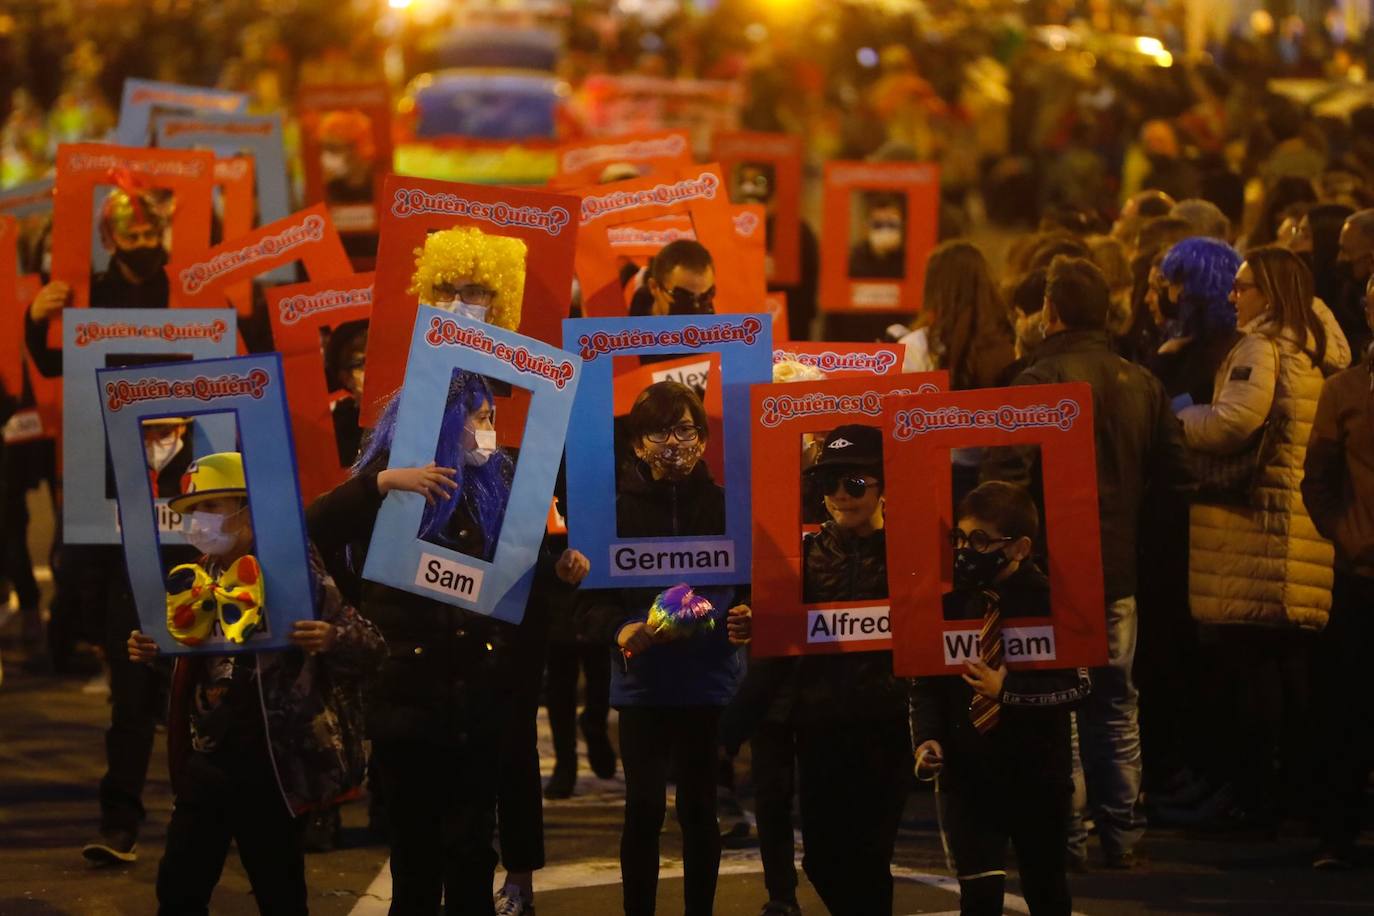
(445, 694)
(1004, 737)
(252, 749)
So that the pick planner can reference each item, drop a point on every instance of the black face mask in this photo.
(978, 570)
(143, 263)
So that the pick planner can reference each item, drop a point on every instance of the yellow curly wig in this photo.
(468, 255)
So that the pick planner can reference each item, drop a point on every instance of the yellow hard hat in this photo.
(210, 477)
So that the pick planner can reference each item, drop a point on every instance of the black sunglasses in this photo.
(978, 539)
(686, 302)
(854, 484)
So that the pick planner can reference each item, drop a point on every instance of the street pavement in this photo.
(51, 759)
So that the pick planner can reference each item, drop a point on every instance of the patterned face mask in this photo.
(673, 460)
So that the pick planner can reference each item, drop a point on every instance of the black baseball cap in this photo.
(851, 446)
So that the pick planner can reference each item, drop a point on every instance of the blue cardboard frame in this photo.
(267, 149)
(745, 345)
(140, 96)
(88, 516)
(247, 392)
(440, 343)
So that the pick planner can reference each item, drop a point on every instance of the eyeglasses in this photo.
(978, 539)
(1240, 286)
(468, 293)
(885, 224)
(683, 432)
(856, 485)
(686, 301)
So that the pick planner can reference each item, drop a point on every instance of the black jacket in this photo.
(1139, 442)
(645, 507)
(447, 677)
(1032, 734)
(108, 290)
(849, 686)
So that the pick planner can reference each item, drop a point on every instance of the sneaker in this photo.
(1331, 860)
(734, 825)
(510, 902)
(560, 784)
(780, 908)
(113, 847)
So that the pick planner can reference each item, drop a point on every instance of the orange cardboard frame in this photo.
(920, 432)
(784, 623)
(81, 167)
(783, 152)
(919, 184)
(205, 280)
(11, 344)
(234, 178)
(545, 221)
(697, 194)
(370, 99)
(660, 154)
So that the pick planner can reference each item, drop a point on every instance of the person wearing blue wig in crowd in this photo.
(1200, 324)
(443, 701)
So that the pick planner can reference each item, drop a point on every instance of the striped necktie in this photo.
(984, 711)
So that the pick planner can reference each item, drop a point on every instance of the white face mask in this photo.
(333, 164)
(459, 307)
(884, 240)
(478, 446)
(205, 532)
(160, 452)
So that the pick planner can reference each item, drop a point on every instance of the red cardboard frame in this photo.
(545, 221)
(844, 360)
(784, 153)
(784, 624)
(919, 182)
(81, 167)
(298, 312)
(656, 154)
(11, 344)
(205, 280)
(698, 194)
(373, 100)
(920, 432)
(234, 178)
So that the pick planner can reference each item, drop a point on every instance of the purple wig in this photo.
(1206, 269)
(484, 489)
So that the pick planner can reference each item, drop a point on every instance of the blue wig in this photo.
(485, 490)
(1206, 269)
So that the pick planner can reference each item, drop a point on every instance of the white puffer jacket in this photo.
(1264, 564)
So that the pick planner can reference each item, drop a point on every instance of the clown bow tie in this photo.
(195, 600)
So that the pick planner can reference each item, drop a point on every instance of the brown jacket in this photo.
(1338, 482)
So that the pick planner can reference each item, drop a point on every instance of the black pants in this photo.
(773, 755)
(441, 807)
(1343, 748)
(652, 739)
(138, 699)
(21, 468)
(565, 660)
(520, 800)
(854, 779)
(983, 814)
(1267, 719)
(247, 808)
